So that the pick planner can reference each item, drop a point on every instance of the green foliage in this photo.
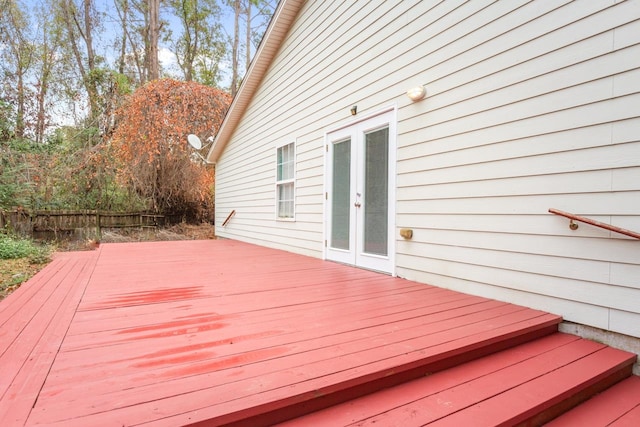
(47, 62)
(15, 170)
(200, 45)
(6, 120)
(7, 193)
(122, 83)
(74, 171)
(56, 138)
(14, 248)
(41, 255)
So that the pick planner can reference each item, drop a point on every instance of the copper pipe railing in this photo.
(226, 221)
(593, 222)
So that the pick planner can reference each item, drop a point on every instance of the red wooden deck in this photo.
(221, 332)
(504, 389)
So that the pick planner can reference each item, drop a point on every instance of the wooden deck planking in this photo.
(197, 313)
(498, 390)
(26, 362)
(261, 362)
(23, 304)
(271, 333)
(522, 403)
(618, 406)
(306, 342)
(630, 419)
(174, 332)
(139, 317)
(400, 404)
(226, 395)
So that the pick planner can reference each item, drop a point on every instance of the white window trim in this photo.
(286, 181)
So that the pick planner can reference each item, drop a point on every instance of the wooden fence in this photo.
(59, 224)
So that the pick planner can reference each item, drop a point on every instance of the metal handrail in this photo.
(593, 222)
(226, 221)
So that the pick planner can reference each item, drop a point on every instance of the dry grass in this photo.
(174, 232)
(14, 272)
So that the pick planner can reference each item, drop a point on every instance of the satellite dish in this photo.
(194, 141)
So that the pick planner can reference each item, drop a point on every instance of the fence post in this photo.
(98, 229)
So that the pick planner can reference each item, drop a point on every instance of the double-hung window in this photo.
(285, 182)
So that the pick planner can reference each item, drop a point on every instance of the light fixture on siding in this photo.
(417, 93)
(354, 110)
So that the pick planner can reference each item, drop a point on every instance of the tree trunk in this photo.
(48, 54)
(12, 36)
(88, 34)
(236, 47)
(140, 66)
(74, 28)
(20, 107)
(123, 46)
(90, 83)
(154, 35)
(248, 38)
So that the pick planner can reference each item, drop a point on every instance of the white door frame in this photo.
(354, 130)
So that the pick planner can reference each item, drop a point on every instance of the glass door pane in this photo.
(340, 202)
(376, 192)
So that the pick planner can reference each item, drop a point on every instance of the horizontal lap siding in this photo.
(544, 116)
(530, 105)
(309, 88)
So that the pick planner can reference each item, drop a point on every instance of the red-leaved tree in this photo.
(150, 145)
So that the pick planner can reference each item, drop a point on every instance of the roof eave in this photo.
(278, 28)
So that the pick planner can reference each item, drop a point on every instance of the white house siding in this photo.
(530, 105)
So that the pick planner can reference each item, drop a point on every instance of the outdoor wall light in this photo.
(417, 93)
(354, 110)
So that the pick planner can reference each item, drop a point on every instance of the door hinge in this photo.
(326, 195)
(325, 243)
(327, 148)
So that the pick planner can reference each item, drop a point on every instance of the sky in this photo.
(166, 57)
(65, 114)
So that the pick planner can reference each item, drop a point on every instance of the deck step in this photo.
(529, 384)
(381, 376)
(617, 406)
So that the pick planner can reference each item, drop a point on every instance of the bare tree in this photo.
(44, 78)
(78, 25)
(247, 40)
(235, 46)
(133, 42)
(255, 23)
(17, 59)
(199, 47)
(154, 36)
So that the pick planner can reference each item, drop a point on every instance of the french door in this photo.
(360, 194)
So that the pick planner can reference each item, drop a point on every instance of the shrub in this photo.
(13, 248)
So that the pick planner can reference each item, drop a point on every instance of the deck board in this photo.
(170, 333)
(542, 392)
(498, 390)
(24, 304)
(49, 315)
(209, 332)
(423, 400)
(618, 406)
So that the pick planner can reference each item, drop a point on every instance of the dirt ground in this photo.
(14, 272)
